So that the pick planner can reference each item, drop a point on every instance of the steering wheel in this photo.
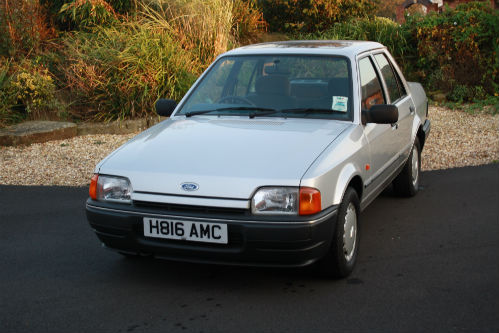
(235, 100)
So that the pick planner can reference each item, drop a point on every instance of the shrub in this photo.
(123, 7)
(378, 29)
(6, 98)
(85, 14)
(26, 90)
(312, 16)
(461, 93)
(119, 72)
(23, 27)
(457, 51)
(34, 89)
(200, 26)
(120, 7)
(248, 23)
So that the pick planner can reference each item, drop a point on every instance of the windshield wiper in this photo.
(310, 110)
(237, 108)
(264, 111)
(297, 110)
(195, 113)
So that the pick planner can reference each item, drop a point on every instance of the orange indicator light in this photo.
(310, 201)
(92, 191)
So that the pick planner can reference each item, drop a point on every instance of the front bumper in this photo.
(254, 241)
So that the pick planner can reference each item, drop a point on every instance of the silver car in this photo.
(268, 160)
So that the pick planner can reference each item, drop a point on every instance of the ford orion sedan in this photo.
(268, 160)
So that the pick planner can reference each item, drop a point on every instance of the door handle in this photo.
(412, 109)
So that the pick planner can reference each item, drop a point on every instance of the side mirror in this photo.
(381, 114)
(164, 107)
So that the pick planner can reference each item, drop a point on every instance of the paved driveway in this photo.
(430, 263)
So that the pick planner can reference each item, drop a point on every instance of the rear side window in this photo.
(403, 92)
(391, 80)
(372, 93)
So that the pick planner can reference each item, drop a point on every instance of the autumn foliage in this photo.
(109, 59)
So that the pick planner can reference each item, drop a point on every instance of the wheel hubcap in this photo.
(350, 232)
(415, 167)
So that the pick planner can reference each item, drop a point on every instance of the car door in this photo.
(382, 138)
(398, 96)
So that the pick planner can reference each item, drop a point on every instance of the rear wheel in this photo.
(407, 182)
(341, 258)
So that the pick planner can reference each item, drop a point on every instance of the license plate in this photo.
(186, 230)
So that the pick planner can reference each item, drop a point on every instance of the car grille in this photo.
(196, 211)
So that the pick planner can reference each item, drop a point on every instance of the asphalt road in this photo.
(427, 264)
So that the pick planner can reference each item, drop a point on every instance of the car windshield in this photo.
(274, 86)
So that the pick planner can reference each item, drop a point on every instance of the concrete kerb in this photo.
(42, 131)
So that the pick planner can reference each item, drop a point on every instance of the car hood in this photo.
(227, 157)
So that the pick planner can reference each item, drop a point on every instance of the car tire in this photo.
(339, 262)
(406, 184)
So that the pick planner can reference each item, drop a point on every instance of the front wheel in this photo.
(407, 182)
(340, 260)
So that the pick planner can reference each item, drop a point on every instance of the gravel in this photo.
(457, 139)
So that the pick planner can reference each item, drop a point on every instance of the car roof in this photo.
(349, 48)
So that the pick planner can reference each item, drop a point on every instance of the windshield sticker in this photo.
(340, 103)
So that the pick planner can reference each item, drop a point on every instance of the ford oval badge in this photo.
(189, 187)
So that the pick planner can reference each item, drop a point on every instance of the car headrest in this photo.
(272, 85)
(338, 86)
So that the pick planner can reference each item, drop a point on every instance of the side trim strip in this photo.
(374, 194)
(385, 168)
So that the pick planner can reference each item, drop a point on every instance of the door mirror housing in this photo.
(381, 114)
(164, 107)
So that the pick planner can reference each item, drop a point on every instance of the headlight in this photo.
(286, 201)
(110, 188)
(275, 200)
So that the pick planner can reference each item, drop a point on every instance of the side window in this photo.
(391, 80)
(401, 86)
(372, 93)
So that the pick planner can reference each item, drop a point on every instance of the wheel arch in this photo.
(421, 137)
(349, 177)
(357, 184)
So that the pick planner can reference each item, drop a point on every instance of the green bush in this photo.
(34, 89)
(123, 7)
(202, 27)
(462, 93)
(312, 16)
(378, 29)
(23, 27)
(457, 51)
(120, 7)
(119, 72)
(86, 14)
(248, 24)
(7, 99)
(27, 90)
